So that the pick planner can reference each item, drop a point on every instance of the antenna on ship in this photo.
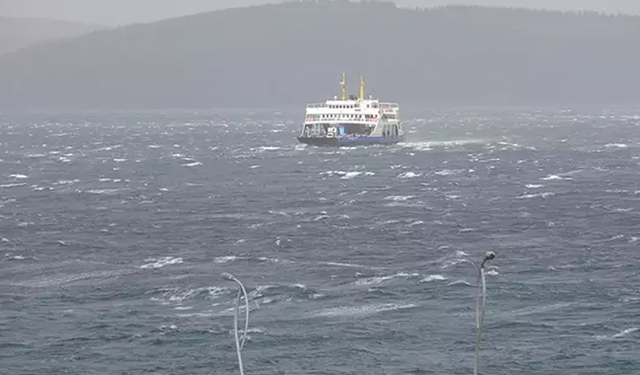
(344, 86)
(361, 87)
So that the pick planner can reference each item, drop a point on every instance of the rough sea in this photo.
(115, 227)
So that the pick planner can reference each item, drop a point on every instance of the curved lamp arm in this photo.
(241, 292)
(480, 305)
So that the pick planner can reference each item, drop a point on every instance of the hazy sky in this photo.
(114, 12)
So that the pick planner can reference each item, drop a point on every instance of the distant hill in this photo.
(289, 54)
(120, 12)
(116, 12)
(16, 33)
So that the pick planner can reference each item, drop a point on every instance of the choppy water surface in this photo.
(114, 229)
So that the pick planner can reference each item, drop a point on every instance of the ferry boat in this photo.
(352, 121)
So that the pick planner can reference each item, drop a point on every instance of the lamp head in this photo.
(489, 255)
(227, 276)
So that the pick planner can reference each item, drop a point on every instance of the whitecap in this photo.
(448, 172)
(16, 257)
(13, 185)
(409, 175)
(46, 281)
(362, 310)
(347, 175)
(348, 265)
(460, 282)
(225, 259)
(161, 262)
(66, 182)
(103, 191)
(616, 145)
(430, 278)
(553, 177)
(380, 279)
(619, 334)
(399, 197)
(350, 175)
(623, 209)
(275, 260)
(540, 195)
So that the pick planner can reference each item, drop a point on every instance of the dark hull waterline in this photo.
(349, 141)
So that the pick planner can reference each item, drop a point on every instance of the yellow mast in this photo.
(344, 86)
(361, 87)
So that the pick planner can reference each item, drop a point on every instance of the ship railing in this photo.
(339, 120)
(389, 105)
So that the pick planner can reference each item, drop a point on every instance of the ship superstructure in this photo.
(352, 120)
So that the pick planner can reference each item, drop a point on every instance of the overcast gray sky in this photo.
(114, 12)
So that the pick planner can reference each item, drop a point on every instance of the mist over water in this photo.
(116, 226)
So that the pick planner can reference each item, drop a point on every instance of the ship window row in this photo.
(352, 116)
(345, 106)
